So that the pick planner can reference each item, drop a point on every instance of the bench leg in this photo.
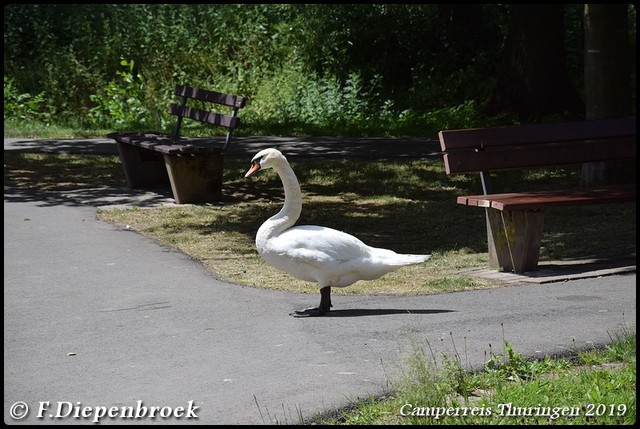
(144, 168)
(195, 178)
(514, 239)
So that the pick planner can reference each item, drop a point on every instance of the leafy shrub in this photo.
(23, 106)
(119, 105)
(304, 68)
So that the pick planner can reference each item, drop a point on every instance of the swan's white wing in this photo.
(330, 257)
(323, 255)
(318, 245)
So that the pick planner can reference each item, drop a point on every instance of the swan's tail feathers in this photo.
(413, 259)
(391, 258)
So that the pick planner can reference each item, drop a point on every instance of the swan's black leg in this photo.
(325, 299)
(324, 307)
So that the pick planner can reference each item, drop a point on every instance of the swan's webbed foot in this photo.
(309, 312)
(321, 310)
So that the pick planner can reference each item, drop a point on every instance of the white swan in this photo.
(317, 254)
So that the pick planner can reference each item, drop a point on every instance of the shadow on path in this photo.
(378, 312)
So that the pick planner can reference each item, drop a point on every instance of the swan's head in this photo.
(267, 158)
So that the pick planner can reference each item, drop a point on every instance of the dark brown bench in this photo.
(191, 165)
(515, 220)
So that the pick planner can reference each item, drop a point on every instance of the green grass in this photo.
(405, 205)
(589, 387)
(35, 129)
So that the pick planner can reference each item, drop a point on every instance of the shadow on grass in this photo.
(405, 204)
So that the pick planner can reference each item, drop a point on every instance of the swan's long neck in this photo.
(290, 212)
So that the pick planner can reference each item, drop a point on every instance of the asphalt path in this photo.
(97, 317)
(246, 147)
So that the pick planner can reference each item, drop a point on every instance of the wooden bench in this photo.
(515, 220)
(191, 165)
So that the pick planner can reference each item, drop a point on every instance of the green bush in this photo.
(24, 106)
(305, 68)
(119, 106)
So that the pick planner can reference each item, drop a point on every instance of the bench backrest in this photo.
(498, 148)
(229, 121)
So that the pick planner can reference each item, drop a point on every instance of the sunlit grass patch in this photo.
(511, 389)
(405, 205)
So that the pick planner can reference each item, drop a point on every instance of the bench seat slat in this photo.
(543, 199)
(169, 145)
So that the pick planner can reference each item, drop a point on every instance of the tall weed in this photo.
(24, 106)
(120, 106)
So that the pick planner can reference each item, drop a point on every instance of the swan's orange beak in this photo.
(255, 167)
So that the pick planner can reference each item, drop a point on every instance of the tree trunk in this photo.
(607, 82)
(534, 80)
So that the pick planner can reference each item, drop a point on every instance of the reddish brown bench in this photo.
(191, 165)
(515, 220)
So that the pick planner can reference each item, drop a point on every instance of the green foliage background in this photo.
(306, 68)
